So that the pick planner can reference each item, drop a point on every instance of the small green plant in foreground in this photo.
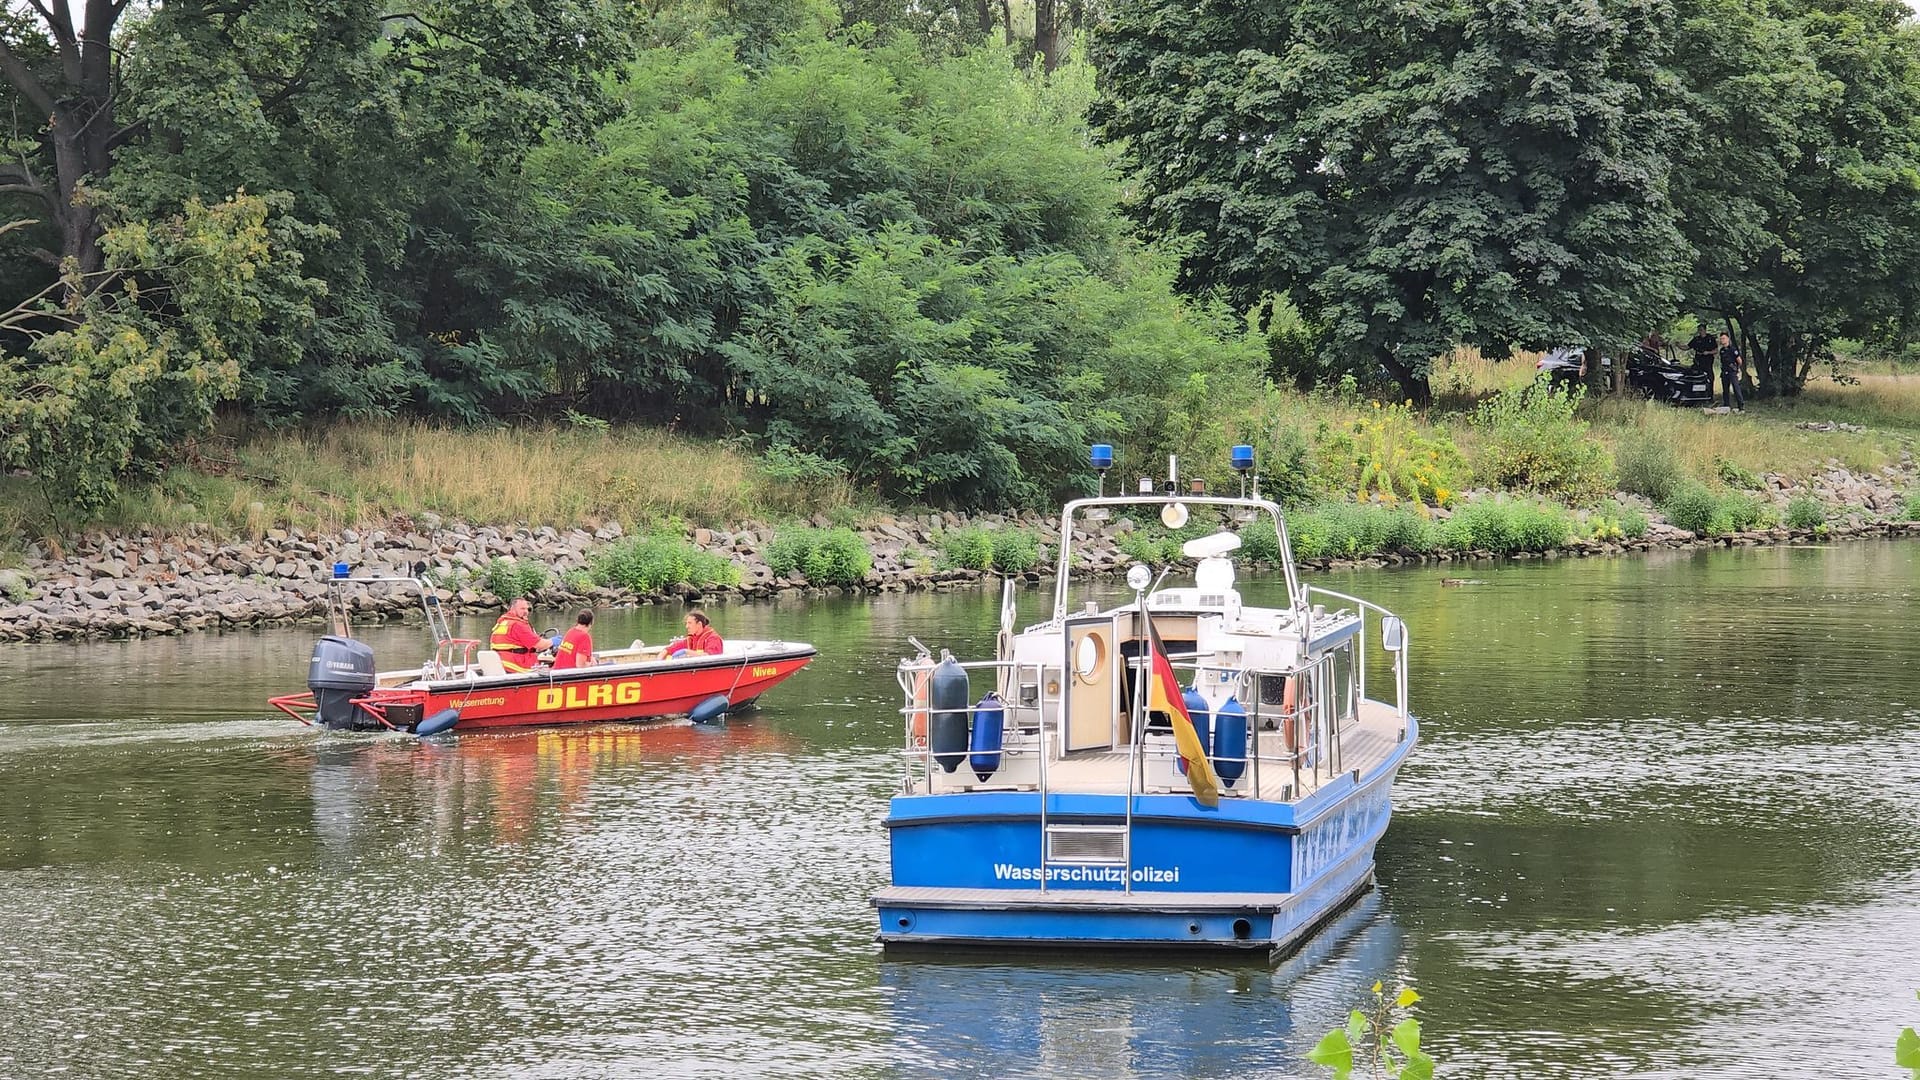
(1385, 1042)
(1911, 511)
(1906, 1052)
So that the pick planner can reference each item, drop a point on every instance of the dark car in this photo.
(1661, 378)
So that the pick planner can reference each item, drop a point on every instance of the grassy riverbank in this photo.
(246, 482)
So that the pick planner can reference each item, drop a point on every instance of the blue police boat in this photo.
(1178, 770)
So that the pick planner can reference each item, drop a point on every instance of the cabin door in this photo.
(1094, 669)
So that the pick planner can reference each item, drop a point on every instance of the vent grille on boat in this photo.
(1086, 844)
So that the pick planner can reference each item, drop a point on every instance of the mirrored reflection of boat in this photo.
(1140, 1015)
(463, 683)
(1071, 792)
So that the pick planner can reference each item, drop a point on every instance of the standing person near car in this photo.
(1730, 364)
(1703, 346)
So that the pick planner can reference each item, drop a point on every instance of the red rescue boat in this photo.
(464, 684)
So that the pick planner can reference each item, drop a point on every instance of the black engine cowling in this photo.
(341, 670)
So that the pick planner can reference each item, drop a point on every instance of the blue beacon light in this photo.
(1242, 460)
(1101, 456)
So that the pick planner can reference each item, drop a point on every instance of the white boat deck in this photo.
(1364, 744)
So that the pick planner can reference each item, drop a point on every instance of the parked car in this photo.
(1661, 378)
(1562, 366)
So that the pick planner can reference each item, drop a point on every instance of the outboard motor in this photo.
(341, 670)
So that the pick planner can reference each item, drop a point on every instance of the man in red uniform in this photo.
(577, 649)
(701, 640)
(515, 640)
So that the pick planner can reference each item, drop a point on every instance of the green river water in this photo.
(1664, 821)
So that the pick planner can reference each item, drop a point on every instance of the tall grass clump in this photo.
(1531, 440)
(1015, 551)
(1505, 526)
(1158, 546)
(1615, 520)
(1699, 509)
(1347, 530)
(1911, 511)
(1646, 466)
(1008, 551)
(1258, 542)
(1805, 512)
(510, 578)
(651, 563)
(825, 556)
(967, 549)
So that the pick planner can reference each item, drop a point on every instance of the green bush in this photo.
(1157, 546)
(1911, 511)
(1349, 530)
(510, 578)
(1533, 441)
(1646, 467)
(1735, 476)
(1615, 520)
(1015, 551)
(968, 549)
(787, 555)
(1699, 509)
(1505, 526)
(1805, 512)
(826, 556)
(1691, 506)
(1258, 543)
(840, 558)
(650, 563)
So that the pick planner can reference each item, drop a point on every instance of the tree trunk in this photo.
(78, 103)
(984, 9)
(1414, 386)
(1006, 19)
(1046, 33)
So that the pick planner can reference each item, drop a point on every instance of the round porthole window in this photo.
(1088, 657)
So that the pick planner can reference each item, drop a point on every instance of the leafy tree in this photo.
(398, 133)
(129, 362)
(1802, 192)
(1412, 177)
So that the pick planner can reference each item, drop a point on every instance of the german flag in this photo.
(1163, 696)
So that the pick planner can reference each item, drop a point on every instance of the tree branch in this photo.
(23, 81)
(60, 19)
(126, 134)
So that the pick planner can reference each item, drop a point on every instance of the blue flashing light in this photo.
(1242, 458)
(1101, 456)
(342, 570)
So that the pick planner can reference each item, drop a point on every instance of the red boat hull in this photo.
(633, 691)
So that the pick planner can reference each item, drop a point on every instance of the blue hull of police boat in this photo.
(1182, 770)
(1249, 875)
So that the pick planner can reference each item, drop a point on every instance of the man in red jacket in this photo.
(515, 640)
(701, 640)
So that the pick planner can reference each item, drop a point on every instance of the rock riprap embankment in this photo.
(148, 582)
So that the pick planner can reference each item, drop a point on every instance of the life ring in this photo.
(1294, 706)
(918, 718)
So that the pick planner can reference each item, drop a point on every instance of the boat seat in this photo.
(489, 662)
